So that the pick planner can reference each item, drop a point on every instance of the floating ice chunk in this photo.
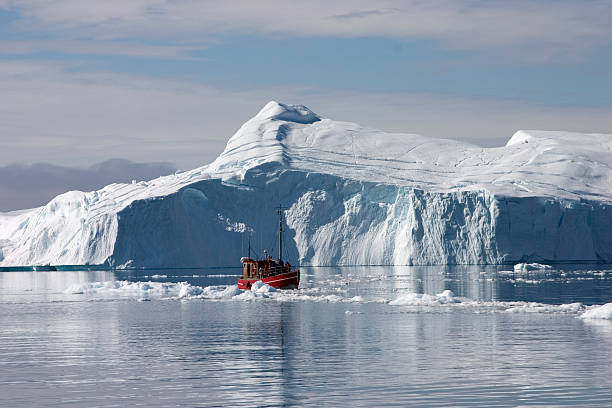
(333, 299)
(528, 281)
(248, 295)
(187, 290)
(144, 291)
(533, 307)
(447, 298)
(220, 292)
(115, 289)
(209, 292)
(526, 267)
(423, 299)
(147, 290)
(127, 265)
(599, 312)
(259, 290)
(260, 287)
(448, 294)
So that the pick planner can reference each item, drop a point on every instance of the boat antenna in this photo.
(249, 246)
(280, 232)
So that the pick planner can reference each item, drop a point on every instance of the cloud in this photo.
(88, 47)
(531, 30)
(361, 14)
(28, 186)
(50, 113)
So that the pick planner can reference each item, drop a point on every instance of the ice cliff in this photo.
(353, 195)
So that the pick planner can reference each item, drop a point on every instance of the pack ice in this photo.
(353, 195)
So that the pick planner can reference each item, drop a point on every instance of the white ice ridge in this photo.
(355, 195)
(533, 163)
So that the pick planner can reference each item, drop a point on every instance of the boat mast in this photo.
(280, 233)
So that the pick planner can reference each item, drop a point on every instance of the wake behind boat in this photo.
(275, 273)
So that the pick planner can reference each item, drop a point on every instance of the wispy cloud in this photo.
(362, 14)
(532, 30)
(88, 47)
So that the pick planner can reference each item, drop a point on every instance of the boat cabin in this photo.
(259, 269)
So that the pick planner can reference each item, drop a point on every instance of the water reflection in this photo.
(44, 286)
(304, 353)
(589, 284)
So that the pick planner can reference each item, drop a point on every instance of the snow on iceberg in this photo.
(355, 195)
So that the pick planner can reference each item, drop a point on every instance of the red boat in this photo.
(275, 273)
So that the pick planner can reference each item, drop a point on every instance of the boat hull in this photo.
(288, 280)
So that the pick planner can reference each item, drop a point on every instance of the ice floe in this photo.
(122, 288)
(443, 301)
(526, 267)
(422, 299)
(534, 307)
(599, 312)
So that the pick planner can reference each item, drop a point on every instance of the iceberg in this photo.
(353, 196)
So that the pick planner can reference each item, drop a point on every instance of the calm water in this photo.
(350, 336)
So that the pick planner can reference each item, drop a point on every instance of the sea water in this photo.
(352, 336)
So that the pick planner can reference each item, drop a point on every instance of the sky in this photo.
(170, 81)
(28, 186)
